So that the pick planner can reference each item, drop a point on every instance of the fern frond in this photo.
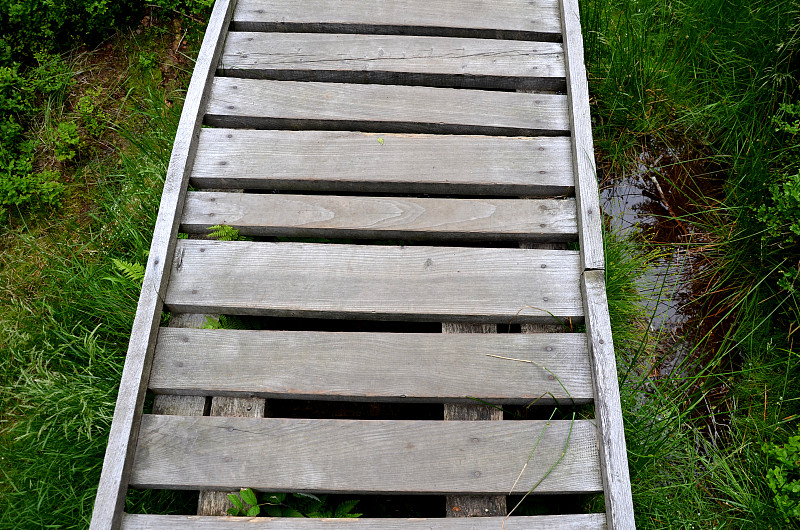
(224, 233)
(132, 271)
(344, 509)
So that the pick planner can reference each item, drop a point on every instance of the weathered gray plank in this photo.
(608, 408)
(395, 59)
(517, 18)
(380, 456)
(381, 217)
(389, 282)
(113, 484)
(372, 366)
(592, 521)
(217, 502)
(586, 191)
(266, 104)
(348, 161)
(543, 328)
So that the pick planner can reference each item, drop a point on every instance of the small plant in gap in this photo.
(223, 322)
(244, 503)
(289, 505)
(784, 478)
(225, 233)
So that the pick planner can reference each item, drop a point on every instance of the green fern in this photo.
(225, 233)
(132, 271)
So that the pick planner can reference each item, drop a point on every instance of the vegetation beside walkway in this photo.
(710, 88)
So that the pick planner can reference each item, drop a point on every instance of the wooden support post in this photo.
(216, 502)
(473, 505)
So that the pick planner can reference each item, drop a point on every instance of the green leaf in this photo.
(249, 496)
(253, 511)
(273, 511)
(380, 141)
(276, 498)
(307, 496)
(236, 500)
(291, 512)
(233, 511)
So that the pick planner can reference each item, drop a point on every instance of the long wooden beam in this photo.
(113, 485)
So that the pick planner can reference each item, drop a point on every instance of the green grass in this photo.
(66, 312)
(702, 78)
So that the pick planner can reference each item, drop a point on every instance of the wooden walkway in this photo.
(424, 166)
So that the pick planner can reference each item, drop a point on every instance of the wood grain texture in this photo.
(586, 192)
(543, 328)
(113, 484)
(181, 405)
(518, 18)
(350, 456)
(217, 502)
(348, 161)
(372, 366)
(187, 522)
(472, 505)
(395, 59)
(267, 104)
(178, 405)
(381, 217)
(608, 408)
(371, 282)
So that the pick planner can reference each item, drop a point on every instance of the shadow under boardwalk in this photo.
(417, 245)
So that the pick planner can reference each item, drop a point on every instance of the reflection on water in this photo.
(658, 199)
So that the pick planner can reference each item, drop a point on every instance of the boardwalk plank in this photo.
(381, 217)
(189, 522)
(587, 194)
(348, 161)
(520, 18)
(349, 456)
(373, 366)
(375, 282)
(267, 104)
(395, 59)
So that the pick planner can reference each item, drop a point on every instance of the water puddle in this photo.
(657, 199)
